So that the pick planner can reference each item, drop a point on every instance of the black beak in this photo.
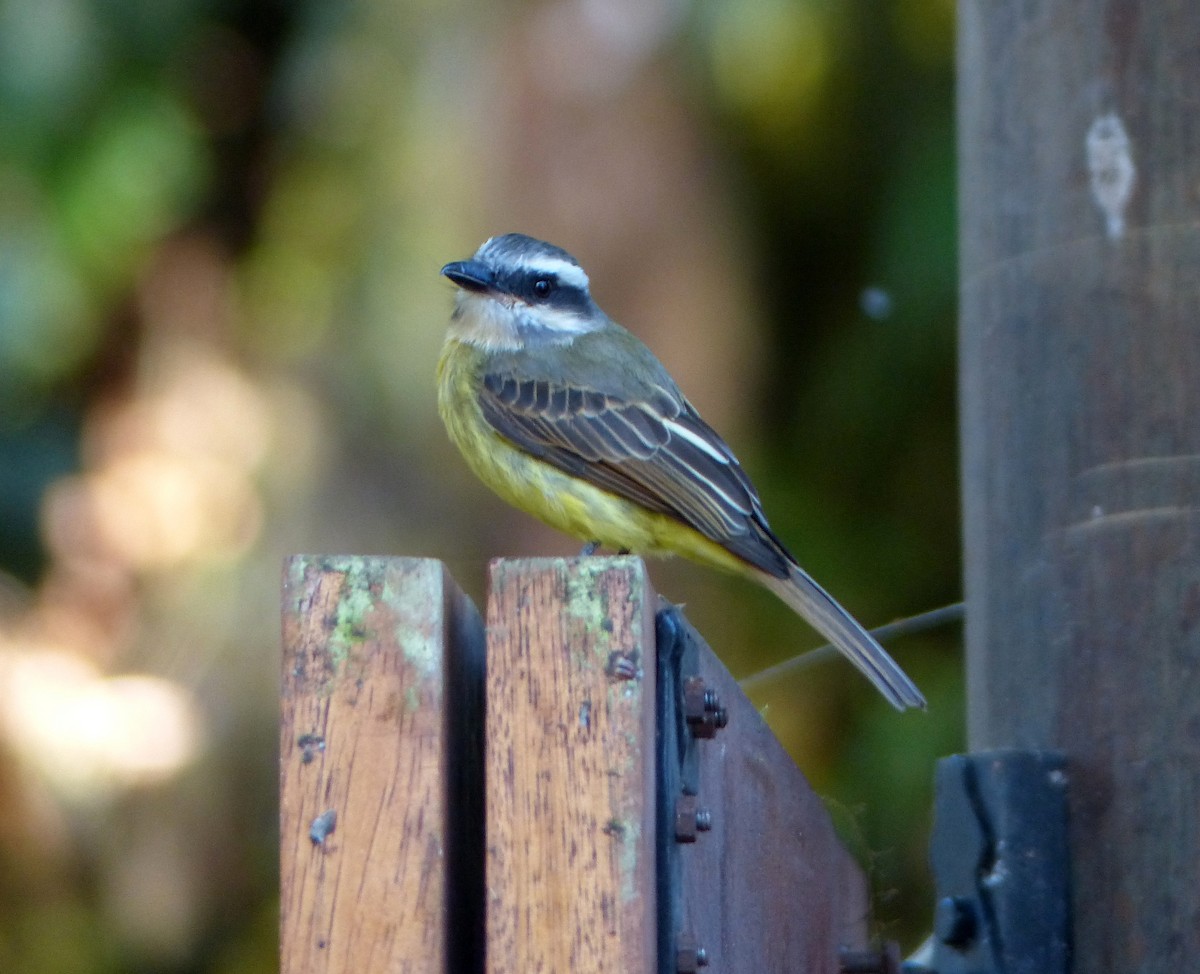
(471, 275)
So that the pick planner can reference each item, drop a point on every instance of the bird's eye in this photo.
(542, 287)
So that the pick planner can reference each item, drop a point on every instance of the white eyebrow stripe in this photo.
(698, 441)
(570, 274)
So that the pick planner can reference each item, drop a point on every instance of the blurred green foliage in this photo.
(220, 229)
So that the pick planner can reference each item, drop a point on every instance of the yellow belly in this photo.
(566, 503)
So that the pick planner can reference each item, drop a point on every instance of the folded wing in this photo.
(651, 448)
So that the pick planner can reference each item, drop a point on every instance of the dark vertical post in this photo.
(1080, 369)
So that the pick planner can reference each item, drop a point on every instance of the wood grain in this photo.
(1080, 379)
(570, 769)
(373, 775)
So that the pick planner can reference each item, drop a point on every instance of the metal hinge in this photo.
(1000, 866)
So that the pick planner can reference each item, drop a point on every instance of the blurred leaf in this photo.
(139, 172)
(770, 59)
(47, 325)
(51, 59)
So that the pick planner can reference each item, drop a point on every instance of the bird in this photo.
(571, 418)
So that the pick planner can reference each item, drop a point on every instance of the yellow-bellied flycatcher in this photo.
(569, 417)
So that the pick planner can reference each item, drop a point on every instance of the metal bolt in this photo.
(694, 693)
(713, 709)
(702, 708)
(695, 707)
(690, 819)
(954, 921)
(689, 956)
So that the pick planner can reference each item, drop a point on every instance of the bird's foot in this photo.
(589, 549)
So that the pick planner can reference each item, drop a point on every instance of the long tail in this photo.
(824, 614)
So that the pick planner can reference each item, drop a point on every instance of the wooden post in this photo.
(383, 816)
(380, 769)
(570, 767)
(1080, 375)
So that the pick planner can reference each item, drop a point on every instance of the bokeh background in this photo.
(221, 224)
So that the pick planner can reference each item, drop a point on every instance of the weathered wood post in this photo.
(621, 829)
(570, 767)
(381, 820)
(1079, 141)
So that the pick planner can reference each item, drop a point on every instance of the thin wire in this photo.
(902, 627)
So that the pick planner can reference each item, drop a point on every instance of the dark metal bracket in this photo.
(1000, 865)
(678, 773)
(689, 714)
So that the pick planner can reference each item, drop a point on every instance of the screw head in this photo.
(690, 819)
(702, 708)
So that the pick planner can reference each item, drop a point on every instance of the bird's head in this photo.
(517, 291)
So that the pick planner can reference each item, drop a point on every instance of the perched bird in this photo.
(566, 415)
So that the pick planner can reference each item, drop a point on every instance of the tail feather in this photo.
(824, 614)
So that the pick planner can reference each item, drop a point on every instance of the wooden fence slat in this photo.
(379, 768)
(570, 767)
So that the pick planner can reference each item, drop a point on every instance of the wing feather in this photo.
(625, 435)
(651, 448)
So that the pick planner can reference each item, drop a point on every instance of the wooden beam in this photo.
(765, 884)
(380, 768)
